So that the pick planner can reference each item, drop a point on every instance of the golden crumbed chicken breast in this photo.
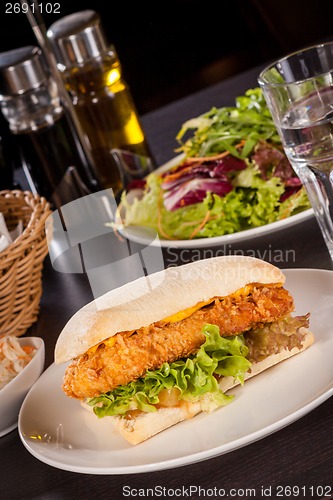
(131, 354)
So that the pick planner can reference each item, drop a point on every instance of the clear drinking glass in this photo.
(299, 93)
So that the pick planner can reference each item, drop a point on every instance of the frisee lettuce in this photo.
(194, 377)
(221, 129)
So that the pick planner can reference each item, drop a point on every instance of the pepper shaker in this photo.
(50, 152)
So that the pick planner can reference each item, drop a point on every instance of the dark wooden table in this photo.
(301, 454)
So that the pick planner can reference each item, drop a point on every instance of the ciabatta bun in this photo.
(146, 425)
(158, 296)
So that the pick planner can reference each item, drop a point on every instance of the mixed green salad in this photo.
(233, 175)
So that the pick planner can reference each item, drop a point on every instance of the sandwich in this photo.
(165, 347)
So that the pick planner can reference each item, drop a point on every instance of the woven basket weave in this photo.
(21, 263)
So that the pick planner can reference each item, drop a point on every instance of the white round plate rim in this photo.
(161, 452)
(146, 236)
(8, 429)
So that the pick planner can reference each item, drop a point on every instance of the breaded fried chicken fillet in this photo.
(129, 354)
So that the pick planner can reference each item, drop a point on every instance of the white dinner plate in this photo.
(58, 431)
(147, 236)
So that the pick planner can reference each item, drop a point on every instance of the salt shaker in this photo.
(101, 97)
(54, 161)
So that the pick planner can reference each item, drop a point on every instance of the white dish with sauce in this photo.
(14, 392)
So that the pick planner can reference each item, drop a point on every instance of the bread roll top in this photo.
(158, 296)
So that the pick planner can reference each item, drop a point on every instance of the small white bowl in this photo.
(13, 394)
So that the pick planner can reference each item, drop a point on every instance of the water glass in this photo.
(299, 93)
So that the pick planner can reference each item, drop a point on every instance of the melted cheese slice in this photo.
(179, 316)
(108, 342)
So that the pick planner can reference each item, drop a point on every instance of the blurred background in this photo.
(171, 49)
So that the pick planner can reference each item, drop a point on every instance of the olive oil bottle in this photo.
(101, 97)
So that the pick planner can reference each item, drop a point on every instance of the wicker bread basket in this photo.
(21, 263)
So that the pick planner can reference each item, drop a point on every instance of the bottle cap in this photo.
(77, 37)
(21, 70)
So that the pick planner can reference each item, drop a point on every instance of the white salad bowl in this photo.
(13, 393)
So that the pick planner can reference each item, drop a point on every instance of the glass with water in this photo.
(299, 93)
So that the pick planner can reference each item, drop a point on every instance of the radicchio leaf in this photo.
(194, 191)
(190, 182)
(272, 162)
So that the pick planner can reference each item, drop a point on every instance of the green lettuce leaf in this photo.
(194, 377)
(252, 203)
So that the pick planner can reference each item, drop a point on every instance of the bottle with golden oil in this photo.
(102, 99)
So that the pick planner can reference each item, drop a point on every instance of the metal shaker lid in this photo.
(21, 70)
(77, 37)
